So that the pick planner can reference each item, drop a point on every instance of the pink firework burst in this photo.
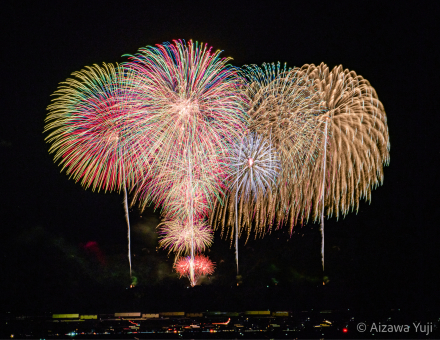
(202, 266)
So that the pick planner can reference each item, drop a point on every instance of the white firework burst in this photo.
(255, 168)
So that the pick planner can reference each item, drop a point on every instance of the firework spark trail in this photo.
(191, 218)
(322, 196)
(236, 225)
(128, 221)
(201, 265)
(88, 124)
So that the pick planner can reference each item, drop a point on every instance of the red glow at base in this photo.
(345, 330)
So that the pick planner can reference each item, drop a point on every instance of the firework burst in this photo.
(202, 266)
(194, 103)
(195, 112)
(255, 168)
(88, 125)
(177, 236)
(356, 144)
(176, 185)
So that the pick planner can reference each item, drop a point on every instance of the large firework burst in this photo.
(194, 104)
(89, 123)
(356, 143)
(195, 112)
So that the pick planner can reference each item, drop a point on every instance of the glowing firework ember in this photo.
(202, 266)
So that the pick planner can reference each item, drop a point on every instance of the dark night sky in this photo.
(63, 248)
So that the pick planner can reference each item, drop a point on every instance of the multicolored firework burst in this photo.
(195, 112)
(202, 266)
(195, 109)
(255, 167)
(88, 125)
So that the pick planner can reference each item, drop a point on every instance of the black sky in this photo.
(63, 247)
